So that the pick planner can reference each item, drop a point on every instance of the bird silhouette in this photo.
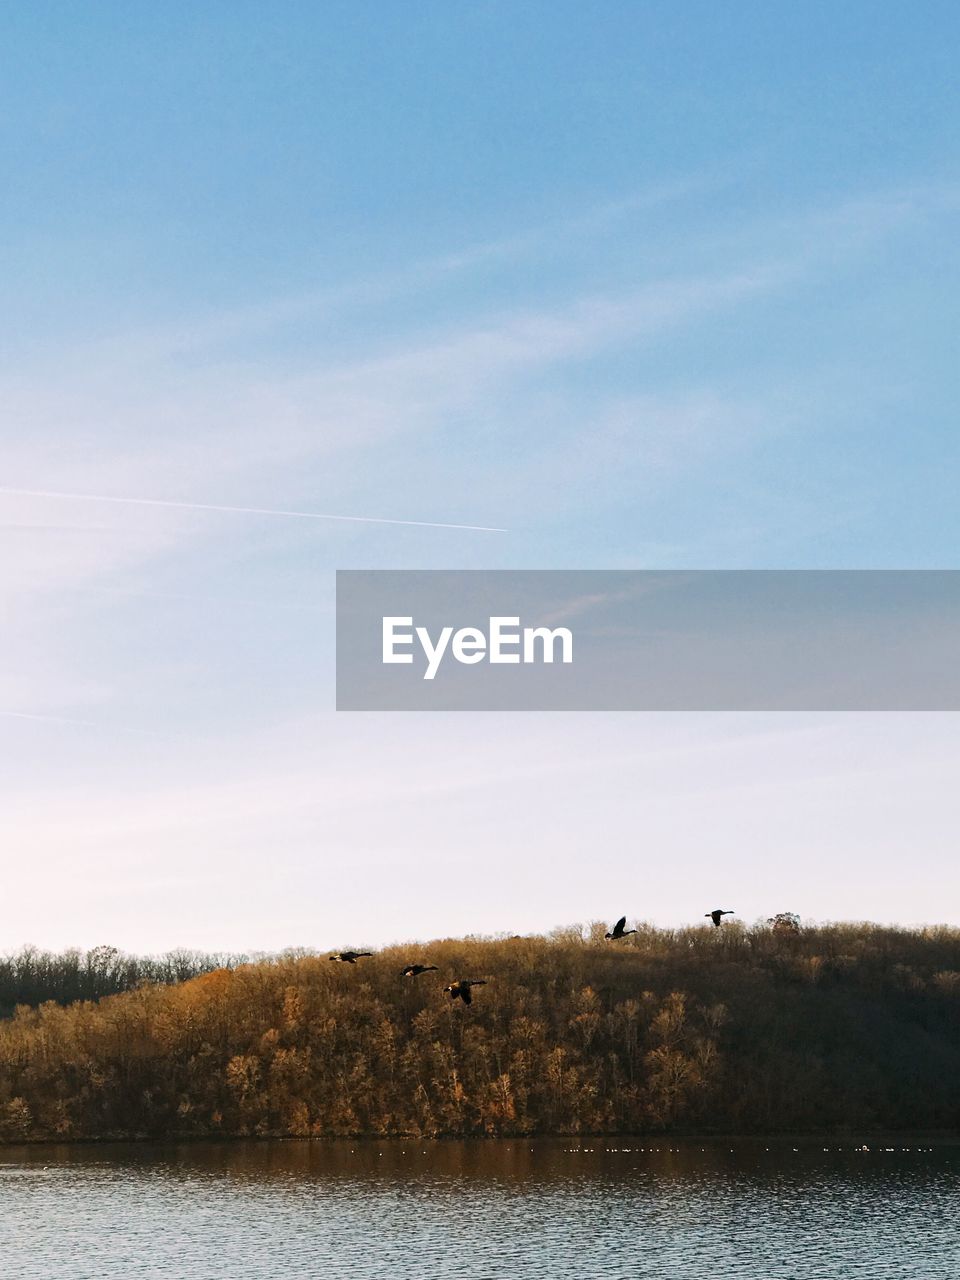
(618, 930)
(350, 957)
(716, 915)
(461, 988)
(415, 970)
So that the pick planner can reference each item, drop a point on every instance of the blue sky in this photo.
(647, 285)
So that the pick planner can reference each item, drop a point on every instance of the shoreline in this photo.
(851, 1140)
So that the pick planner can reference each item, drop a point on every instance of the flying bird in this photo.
(716, 916)
(350, 957)
(415, 970)
(461, 988)
(618, 930)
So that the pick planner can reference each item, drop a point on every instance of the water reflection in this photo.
(481, 1209)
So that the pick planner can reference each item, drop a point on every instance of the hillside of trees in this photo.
(735, 1030)
(32, 977)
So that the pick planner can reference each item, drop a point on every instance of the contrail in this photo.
(31, 715)
(248, 511)
(85, 724)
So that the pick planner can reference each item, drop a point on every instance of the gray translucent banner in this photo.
(639, 640)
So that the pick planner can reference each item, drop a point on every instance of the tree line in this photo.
(32, 977)
(837, 1028)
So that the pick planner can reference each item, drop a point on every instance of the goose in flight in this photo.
(461, 988)
(717, 915)
(618, 930)
(415, 970)
(350, 957)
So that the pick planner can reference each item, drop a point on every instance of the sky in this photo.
(639, 285)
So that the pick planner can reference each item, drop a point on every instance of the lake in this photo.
(546, 1208)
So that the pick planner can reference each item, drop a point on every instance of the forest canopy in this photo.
(31, 976)
(730, 1030)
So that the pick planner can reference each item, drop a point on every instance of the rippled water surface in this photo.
(482, 1209)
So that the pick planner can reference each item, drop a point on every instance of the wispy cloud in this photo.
(552, 235)
(211, 464)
